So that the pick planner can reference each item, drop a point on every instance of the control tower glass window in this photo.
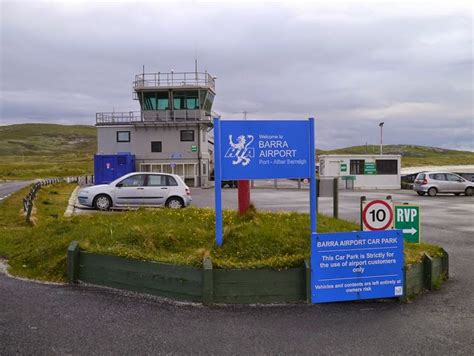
(186, 100)
(155, 101)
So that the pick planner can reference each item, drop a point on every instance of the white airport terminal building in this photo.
(365, 171)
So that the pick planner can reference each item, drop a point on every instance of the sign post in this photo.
(356, 265)
(376, 215)
(407, 218)
(263, 149)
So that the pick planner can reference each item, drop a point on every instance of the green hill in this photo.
(46, 150)
(46, 139)
(50, 150)
(413, 155)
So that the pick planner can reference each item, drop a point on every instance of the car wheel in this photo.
(102, 202)
(469, 191)
(432, 192)
(420, 193)
(174, 203)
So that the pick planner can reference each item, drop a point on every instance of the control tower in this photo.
(171, 132)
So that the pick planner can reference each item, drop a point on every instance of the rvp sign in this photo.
(407, 218)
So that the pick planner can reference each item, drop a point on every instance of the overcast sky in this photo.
(350, 65)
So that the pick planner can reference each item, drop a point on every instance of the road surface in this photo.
(56, 319)
(6, 189)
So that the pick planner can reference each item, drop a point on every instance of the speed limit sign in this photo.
(377, 215)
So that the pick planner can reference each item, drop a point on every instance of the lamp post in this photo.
(381, 137)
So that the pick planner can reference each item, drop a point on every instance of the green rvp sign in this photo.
(407, 218)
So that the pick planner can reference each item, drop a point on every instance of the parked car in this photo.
(432, 183)
(138, 189)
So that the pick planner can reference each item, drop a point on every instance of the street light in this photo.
(381, 137)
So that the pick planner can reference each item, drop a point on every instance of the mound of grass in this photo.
(260, 239)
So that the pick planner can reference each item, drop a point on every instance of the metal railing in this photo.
(150, 116)
(30, 197)
(174, 79)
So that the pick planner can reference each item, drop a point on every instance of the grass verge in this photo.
(260, 239)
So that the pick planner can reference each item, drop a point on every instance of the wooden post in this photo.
(362, 199)
(335, 198)
(427, 271)
(445, 264)
(207, 282)
(72, 261)
(307, 265)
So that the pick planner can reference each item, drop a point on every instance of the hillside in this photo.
(413, 155)
(50, 150)
(46, 139)
(31, 151)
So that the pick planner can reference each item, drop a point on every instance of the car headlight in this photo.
(83, 192)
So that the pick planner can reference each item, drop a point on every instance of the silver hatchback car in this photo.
(432, 183)
(138, 189)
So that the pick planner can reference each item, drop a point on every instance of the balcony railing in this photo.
(174, 79)
(151, 116)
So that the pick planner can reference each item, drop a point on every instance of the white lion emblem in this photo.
(240, 150)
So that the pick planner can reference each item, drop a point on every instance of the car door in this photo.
(455, 184)
(129, 192)
(440, 182)
(156, 190)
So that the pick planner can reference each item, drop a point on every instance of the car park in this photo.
(138, 189)
(432, 183)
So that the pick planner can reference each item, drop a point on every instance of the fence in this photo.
(28, 200)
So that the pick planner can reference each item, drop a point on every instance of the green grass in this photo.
(46, 150)
(413, 155)
(260, 239)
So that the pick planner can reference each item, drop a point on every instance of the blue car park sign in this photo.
(356, 265)
(263, 149)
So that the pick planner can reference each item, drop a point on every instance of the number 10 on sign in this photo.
(377, 215)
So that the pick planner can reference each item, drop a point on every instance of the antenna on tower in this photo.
(196, 68)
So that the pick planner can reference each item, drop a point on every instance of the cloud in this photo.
(349, 65)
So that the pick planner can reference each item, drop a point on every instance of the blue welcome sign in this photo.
(356, 265)
(263, 149)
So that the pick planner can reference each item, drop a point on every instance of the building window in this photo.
(155, 100)
(357, 166)
(183, 100)
(204, 168)
(156, 146)
(387, 166)
(123, 136)
(187, 135)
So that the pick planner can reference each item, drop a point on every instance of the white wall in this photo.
(330, 166)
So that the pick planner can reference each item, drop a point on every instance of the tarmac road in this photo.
(6, 189)
(51, 319)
